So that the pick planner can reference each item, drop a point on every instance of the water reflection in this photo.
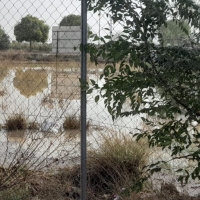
(16, 136)
(3, 72)
(55, 95)
(30, 82)
(38, 148)
(65, 86)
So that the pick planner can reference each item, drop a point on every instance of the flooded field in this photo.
(47, 96)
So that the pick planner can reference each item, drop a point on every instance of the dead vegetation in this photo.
(16, 122)
(111, 170)
(33, 126)
(73, 122)
(19, 122)
(115, 165)
(40, 186)
(20, 58)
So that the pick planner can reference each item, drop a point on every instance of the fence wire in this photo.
(40, 112)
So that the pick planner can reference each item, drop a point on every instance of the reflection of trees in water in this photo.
(16, 136)
(30, 82)
(3, 72)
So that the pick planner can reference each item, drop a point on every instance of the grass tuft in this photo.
(17, 122)
(115, 165)
(73, 122)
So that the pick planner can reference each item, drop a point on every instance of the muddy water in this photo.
(41, 94)
(49, 94)
(30, 82)
(38, 150)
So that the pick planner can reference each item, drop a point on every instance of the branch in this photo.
(189, 110)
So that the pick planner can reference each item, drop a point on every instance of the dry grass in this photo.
(159, 196)
(115, 165)
(16, 122)
(33, 126)
(19, 122)
(20, 58)
(10, 64)
(37, 185)
(15, 194)
(73, 122)
(58, 186)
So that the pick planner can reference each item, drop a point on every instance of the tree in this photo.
(74, 20)
(31, 29)
(172, 33)
(156, 80)
(71, 20)
(4, 40)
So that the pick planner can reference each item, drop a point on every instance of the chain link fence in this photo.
(40, 107)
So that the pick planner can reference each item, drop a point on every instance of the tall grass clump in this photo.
(17, 122)
(73, 122)
(116, 164)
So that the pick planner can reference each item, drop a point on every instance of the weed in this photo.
(17, 122)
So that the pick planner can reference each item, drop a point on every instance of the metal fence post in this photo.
(83, 100)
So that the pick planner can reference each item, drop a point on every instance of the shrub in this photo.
(115, 165)
(17, 122)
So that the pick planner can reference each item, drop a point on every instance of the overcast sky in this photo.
(51, 11)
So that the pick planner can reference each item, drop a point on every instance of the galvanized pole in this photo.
(83, 100)
(99, 27)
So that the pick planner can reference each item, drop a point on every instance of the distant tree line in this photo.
(35, 32)
(4, 40)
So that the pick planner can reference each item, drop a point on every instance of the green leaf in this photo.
(96, 98)
(107, 37)
(93, 82)
(90, 91)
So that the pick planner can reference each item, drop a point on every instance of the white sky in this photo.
(50, 11)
